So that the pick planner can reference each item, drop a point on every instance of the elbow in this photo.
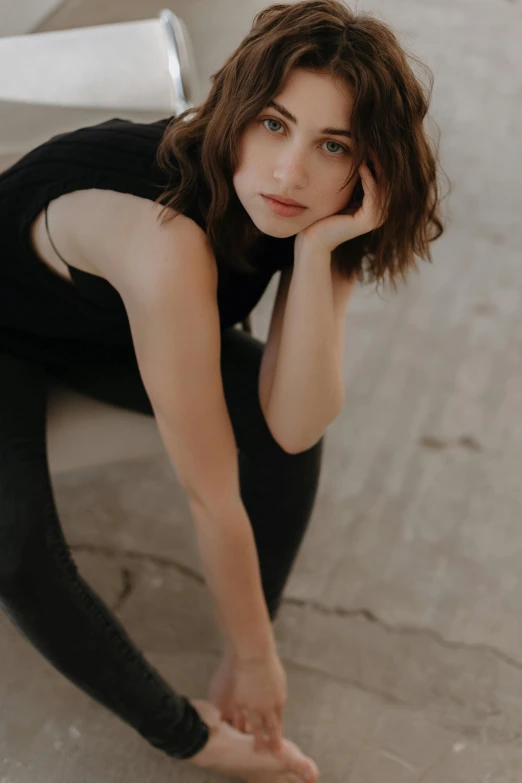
(298, 448)
(281, 442)
(304, 441)
(302, 444)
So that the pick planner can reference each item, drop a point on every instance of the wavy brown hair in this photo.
(390, 104)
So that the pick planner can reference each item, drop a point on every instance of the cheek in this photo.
(348, 193)
(245, 180)
(243, 155)
(249, 167)
(331, 185)
(334, 200)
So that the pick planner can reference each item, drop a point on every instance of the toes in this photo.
(311, 772)
(307, 771)
(301, 765)
(291, 778)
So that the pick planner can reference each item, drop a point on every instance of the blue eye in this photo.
(344, 150)
(269, 119)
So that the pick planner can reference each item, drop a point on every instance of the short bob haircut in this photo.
(323, 36)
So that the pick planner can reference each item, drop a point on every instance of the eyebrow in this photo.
(289, 116)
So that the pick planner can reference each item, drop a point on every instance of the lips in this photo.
(284, 210)
(283, 200)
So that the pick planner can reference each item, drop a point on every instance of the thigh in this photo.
(23, 398)
(278, 489)
(119, 383)
(25, 488)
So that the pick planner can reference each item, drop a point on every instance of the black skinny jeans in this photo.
(40, 587)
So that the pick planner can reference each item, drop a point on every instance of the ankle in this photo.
(211, 715)
(209, 755)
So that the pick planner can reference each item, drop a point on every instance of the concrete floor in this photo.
(401, 629)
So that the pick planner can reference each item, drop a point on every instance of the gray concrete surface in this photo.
(401, 629)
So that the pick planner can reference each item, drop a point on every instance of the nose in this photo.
(290, 170)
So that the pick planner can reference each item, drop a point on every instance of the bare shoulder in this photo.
(120, 237)
(158, 255)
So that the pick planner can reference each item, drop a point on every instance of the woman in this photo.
(132, 251)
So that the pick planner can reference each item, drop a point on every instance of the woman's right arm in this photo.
(170, 294)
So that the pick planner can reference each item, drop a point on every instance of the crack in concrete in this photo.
(468, 730)
(433, 443)
(163, 562)
(464, 729)
(406, 630)
(334, 611)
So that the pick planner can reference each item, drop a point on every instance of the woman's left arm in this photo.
(307, 391)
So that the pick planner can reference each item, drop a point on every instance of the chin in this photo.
(279, 227)
(279, 233)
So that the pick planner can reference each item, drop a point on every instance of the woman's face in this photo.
(297, 159)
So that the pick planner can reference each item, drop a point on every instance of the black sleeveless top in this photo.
(41, 314)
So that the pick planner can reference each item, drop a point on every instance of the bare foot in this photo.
(231, 752)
